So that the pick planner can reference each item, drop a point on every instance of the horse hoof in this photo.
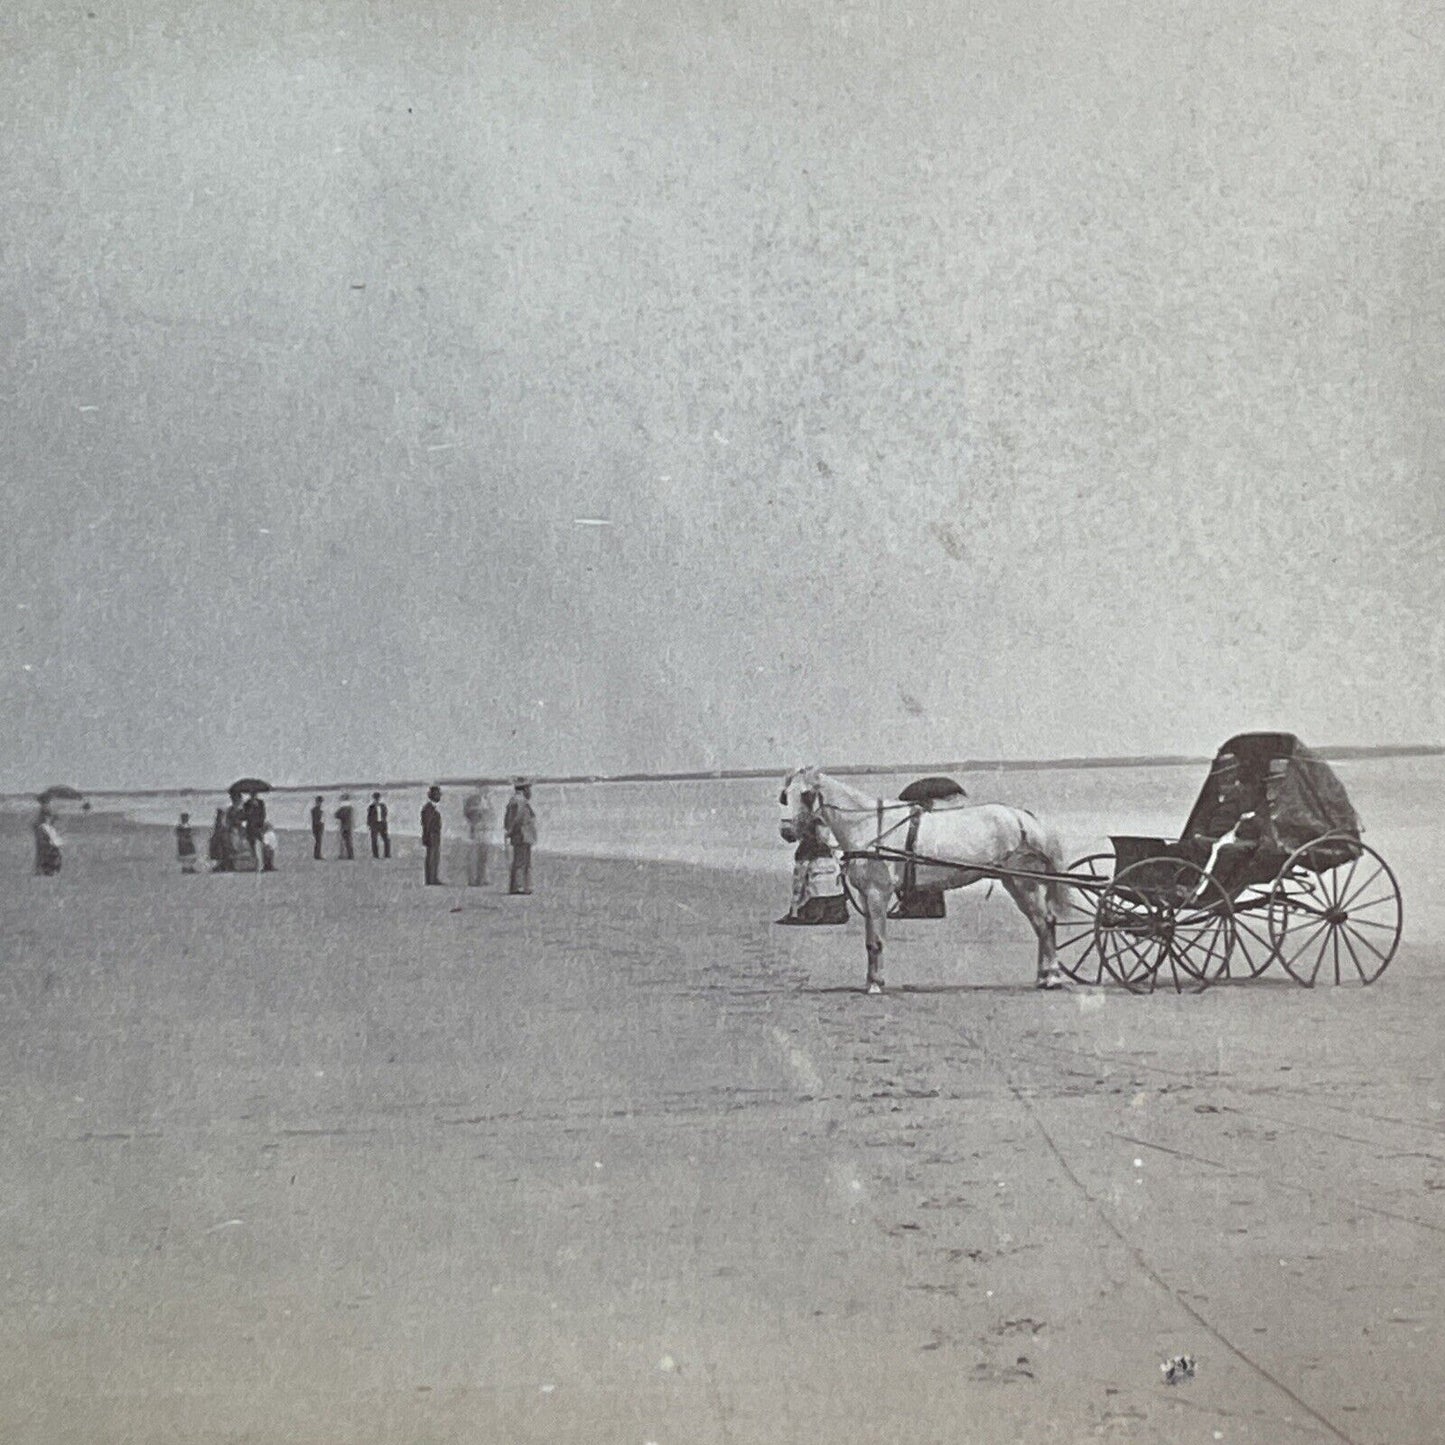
(875, 988)
(1050, 981)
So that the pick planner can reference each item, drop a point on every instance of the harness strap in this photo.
(910, 868)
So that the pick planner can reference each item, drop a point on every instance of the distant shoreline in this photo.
(707, 775)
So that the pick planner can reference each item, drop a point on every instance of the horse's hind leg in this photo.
(1033, 904)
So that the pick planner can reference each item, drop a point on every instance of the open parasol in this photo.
(61, 793)
(249, 785)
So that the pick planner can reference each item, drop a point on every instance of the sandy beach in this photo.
(650, 402)
(327, 1156)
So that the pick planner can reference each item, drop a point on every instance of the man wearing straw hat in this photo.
(520, 826)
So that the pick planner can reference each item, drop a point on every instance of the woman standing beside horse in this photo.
(951, 847)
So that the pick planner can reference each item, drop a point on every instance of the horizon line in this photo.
(1340, 752)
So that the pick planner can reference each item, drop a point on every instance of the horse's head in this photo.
(798, 802)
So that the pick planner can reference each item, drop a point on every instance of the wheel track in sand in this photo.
(1141, 1261)
(1273, 1180)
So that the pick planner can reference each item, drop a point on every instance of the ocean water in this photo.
(734, 823)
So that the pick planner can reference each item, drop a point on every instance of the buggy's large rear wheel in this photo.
(1074, 941)
(1344, 921)
(1164, 911)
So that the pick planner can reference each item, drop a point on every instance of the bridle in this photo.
(878, 808)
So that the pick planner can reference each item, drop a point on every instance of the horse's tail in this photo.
(1051, 855)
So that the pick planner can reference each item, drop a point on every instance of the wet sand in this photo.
(316, 1157)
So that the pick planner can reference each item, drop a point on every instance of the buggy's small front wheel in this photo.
(1344, 920)
(1075, 943)
(1253, 950)
(1164, 911)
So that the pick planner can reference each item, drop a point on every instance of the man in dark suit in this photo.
(346, 822)
(520, 825)
(431, 834)
(318, 826)
(376, 823)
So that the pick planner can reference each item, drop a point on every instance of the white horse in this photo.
(874, 834)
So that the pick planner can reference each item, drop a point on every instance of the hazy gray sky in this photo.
(995, 379)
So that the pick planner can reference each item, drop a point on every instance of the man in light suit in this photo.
(478, 812)
(520, 826)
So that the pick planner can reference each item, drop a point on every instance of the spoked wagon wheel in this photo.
(1345, 919)
(1164, 910)
(1074, 940)
(1253, 950)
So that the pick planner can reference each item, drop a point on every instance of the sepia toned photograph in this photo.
(723, 724)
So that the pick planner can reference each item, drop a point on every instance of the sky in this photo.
(953, 380)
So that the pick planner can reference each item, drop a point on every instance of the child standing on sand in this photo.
(186, 844)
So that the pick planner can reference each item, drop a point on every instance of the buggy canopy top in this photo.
(1293, 792)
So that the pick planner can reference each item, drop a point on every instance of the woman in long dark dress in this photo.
(219, 848)
(239, 857)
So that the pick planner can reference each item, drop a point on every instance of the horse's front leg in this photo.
(876, 887)
(874, 921)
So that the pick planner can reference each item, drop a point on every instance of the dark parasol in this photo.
(249, 785)
(61, 793)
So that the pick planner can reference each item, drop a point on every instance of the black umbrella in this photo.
(931, 790)
(61, 792)
(249, 785)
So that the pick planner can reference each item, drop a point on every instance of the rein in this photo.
(878, 850)
(1082, 882)
(879, 808)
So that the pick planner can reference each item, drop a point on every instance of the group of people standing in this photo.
(378, 823)
(519, 827)
(242, 839)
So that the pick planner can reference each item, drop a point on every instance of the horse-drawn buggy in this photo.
(1270, 868)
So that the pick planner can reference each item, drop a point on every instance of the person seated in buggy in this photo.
(1232, 829)
(1267, 800)
(1237, 831)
